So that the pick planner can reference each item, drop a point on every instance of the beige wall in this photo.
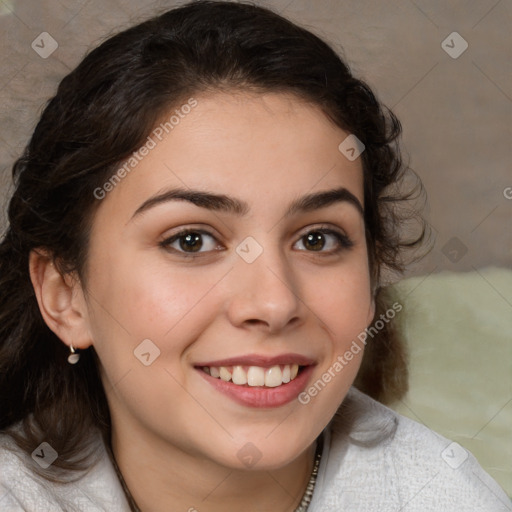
(456, 113)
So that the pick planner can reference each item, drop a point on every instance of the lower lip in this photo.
(262, 397)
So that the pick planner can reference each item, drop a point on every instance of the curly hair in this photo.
(102, 112)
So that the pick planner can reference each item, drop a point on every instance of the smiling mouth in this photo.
(255, 376)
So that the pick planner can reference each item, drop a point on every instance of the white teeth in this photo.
(286, 374)
(255, 375)
(225, 374)
(239, 376)
(273, 377)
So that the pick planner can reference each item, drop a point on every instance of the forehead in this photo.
(266, 149)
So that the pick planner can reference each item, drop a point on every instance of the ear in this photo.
(61, 300)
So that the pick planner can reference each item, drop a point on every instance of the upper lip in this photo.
(260, 360)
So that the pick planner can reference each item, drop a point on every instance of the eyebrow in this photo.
(227, 204)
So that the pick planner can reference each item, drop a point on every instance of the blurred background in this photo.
(445, 69)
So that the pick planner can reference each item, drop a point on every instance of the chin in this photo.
(265, 454)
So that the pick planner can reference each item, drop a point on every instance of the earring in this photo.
(73, 356)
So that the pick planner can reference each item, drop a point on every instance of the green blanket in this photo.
(459, 332)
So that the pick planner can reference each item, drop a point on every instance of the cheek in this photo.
(145, 298)
(343, 299)
(345, 309)
(345, 317)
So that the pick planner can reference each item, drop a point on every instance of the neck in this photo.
(160, 477)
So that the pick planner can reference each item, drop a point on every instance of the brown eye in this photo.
(315, 241)
(326, 241)
(190, 242)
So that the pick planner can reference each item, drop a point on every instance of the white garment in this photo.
(380, 461)
(374, 460)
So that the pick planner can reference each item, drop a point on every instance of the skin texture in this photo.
(174, 436)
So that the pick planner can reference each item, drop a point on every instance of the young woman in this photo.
(191, 310)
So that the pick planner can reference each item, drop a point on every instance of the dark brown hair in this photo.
(102, 112)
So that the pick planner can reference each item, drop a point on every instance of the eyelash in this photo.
(344, 242)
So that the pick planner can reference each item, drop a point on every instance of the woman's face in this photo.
(271, 272)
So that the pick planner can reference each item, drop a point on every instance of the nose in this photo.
(265, 294)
